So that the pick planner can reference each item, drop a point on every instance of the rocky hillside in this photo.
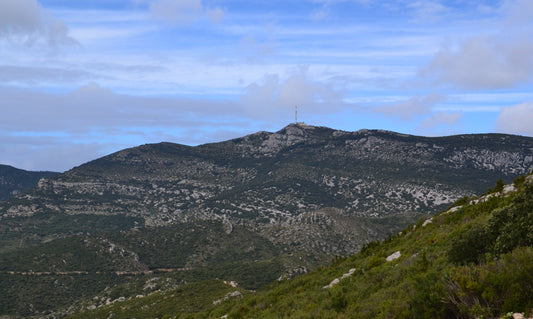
(15, 181)
(474, 260)
(301, 181)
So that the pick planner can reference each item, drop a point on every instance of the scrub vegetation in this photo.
(474, 260)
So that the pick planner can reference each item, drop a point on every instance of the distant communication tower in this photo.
(296, 114)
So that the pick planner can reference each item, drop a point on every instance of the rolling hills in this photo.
(263, 207)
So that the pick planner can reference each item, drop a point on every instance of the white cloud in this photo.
(496, 60)
(272, 96)
(439, 123)
(406, 110)
(45, 131)
(215, 15)
(37, 75)
(516, 119)
(25, 21)
(90, 35)
(92, 107)
(20, 16)
(254, 50)
(519, 13)
(421, 11)
(484, 62)
(260, 98)
(428, 10)
(178, 12)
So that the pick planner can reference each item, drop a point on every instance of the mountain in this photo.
(474, 260)
(15, 181)
(297, 178)
(255, 209)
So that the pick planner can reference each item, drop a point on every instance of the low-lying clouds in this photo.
(93, 107)
(516, 119)
(407, 110)
(439, 123)
(270, 97)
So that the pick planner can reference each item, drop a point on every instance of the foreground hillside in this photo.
(474, 260)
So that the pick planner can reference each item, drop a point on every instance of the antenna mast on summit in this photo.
(296, 114)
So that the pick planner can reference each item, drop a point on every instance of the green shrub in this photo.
(513, 226)
(519, 181)
(460, 202)
(494, 288)
(337, 299)
(470, 246)
(374, 261)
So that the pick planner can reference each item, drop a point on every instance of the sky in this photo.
(80, 79)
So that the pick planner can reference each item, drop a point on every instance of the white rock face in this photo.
(510, 188)
(337, 280)
(232, 283)
(349, 273)
(235, 294)
(333, 283)
(293, 134)
(453, 209)
(394, 256)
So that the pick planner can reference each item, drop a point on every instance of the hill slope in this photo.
(472, 261)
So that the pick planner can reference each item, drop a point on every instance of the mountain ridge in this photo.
(315, 179)
(293, 153)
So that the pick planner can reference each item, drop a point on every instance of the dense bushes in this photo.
(470, 245)
(513, 226)
(508, 227)
(490, 289)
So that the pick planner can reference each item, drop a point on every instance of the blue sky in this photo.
(80, 79)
